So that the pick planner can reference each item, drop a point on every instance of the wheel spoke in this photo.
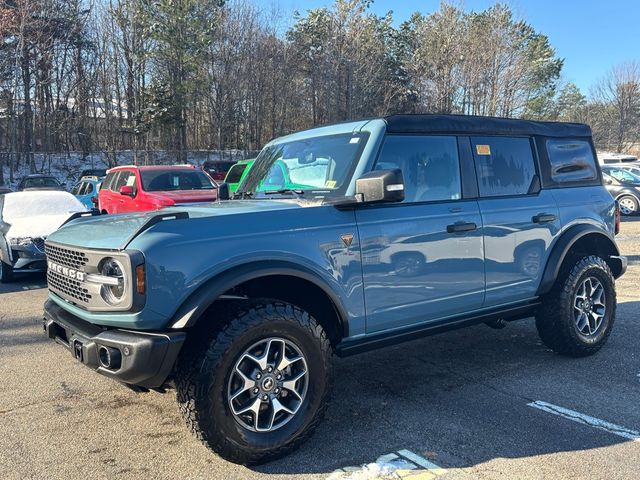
(582, 321)
(285, 362)
(247, 384)
(290, 385)
(251, 407)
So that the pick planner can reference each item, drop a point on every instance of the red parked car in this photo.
(134, 189)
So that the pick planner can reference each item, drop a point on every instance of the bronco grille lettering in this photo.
(66, 271)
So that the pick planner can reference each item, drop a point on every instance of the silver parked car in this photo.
(26, 219)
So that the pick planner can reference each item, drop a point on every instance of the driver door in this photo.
(423, 258)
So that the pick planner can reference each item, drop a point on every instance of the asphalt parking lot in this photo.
(476, 403)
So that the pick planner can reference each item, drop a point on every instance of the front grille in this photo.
(39, 243)
(66, 257)
(68, 286)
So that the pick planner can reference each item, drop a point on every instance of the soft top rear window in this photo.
(571, 161)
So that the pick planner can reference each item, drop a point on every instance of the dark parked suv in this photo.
(397, 228)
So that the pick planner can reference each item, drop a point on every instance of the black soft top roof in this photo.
(471, 124)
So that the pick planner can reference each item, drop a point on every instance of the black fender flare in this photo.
(562, 247)
(199, 301)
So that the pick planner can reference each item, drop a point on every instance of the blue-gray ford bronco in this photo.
(398, 228)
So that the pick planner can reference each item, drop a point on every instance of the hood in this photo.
(187, 196)
(35, 227)
(115, 232)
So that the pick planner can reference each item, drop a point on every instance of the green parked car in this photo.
(278, 178)
(236, 174)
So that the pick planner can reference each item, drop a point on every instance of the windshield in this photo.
(235, 173)
(321, 166)
(40, 182)
(622, 175)
(167, 180)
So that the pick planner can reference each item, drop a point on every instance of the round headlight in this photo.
(113, 294)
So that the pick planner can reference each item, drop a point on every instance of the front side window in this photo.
(429, 164)
(320, 166)
(175, 179)
(571, 160)
(504, 165)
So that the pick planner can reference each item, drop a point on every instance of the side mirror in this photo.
(223, 191)
(380, 186)
(127, 191)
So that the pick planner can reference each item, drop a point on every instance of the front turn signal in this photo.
(140, 280)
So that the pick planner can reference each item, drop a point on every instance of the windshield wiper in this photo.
(242, 195)
(295, 191)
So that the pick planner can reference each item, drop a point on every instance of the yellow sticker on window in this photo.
(483, 149)
(330, 184)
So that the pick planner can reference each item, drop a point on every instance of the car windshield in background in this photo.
(622, 175)
(321, 166)
(167, 180)
(41, 182)
(235, 173)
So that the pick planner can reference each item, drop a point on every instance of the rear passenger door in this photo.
(520, 220)
(422, 259)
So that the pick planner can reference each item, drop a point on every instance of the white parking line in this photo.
(586, 420)
(403, 464)
(422, 462)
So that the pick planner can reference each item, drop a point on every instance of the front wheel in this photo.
(259, 388)
(577, 315)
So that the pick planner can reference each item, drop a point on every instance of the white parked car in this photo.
(617, 159)
(26, 219)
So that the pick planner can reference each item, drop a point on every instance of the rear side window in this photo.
(571, 161)
(504, 165)
(108, 182)
(126, 178)
(430, 166)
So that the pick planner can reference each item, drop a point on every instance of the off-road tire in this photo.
(555, 319)
(6, 272)
(203, 372)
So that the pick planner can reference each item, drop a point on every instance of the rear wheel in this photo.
(6, 272)
(628, 205)
(257, 389)
(577, 316)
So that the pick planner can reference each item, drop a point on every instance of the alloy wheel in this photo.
(589, 306)
(268, 385)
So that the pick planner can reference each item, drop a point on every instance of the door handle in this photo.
(461, 227)
(543, 218)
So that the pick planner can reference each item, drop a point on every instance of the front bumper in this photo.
(619, 264)
(138, 358)
(28, 258)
